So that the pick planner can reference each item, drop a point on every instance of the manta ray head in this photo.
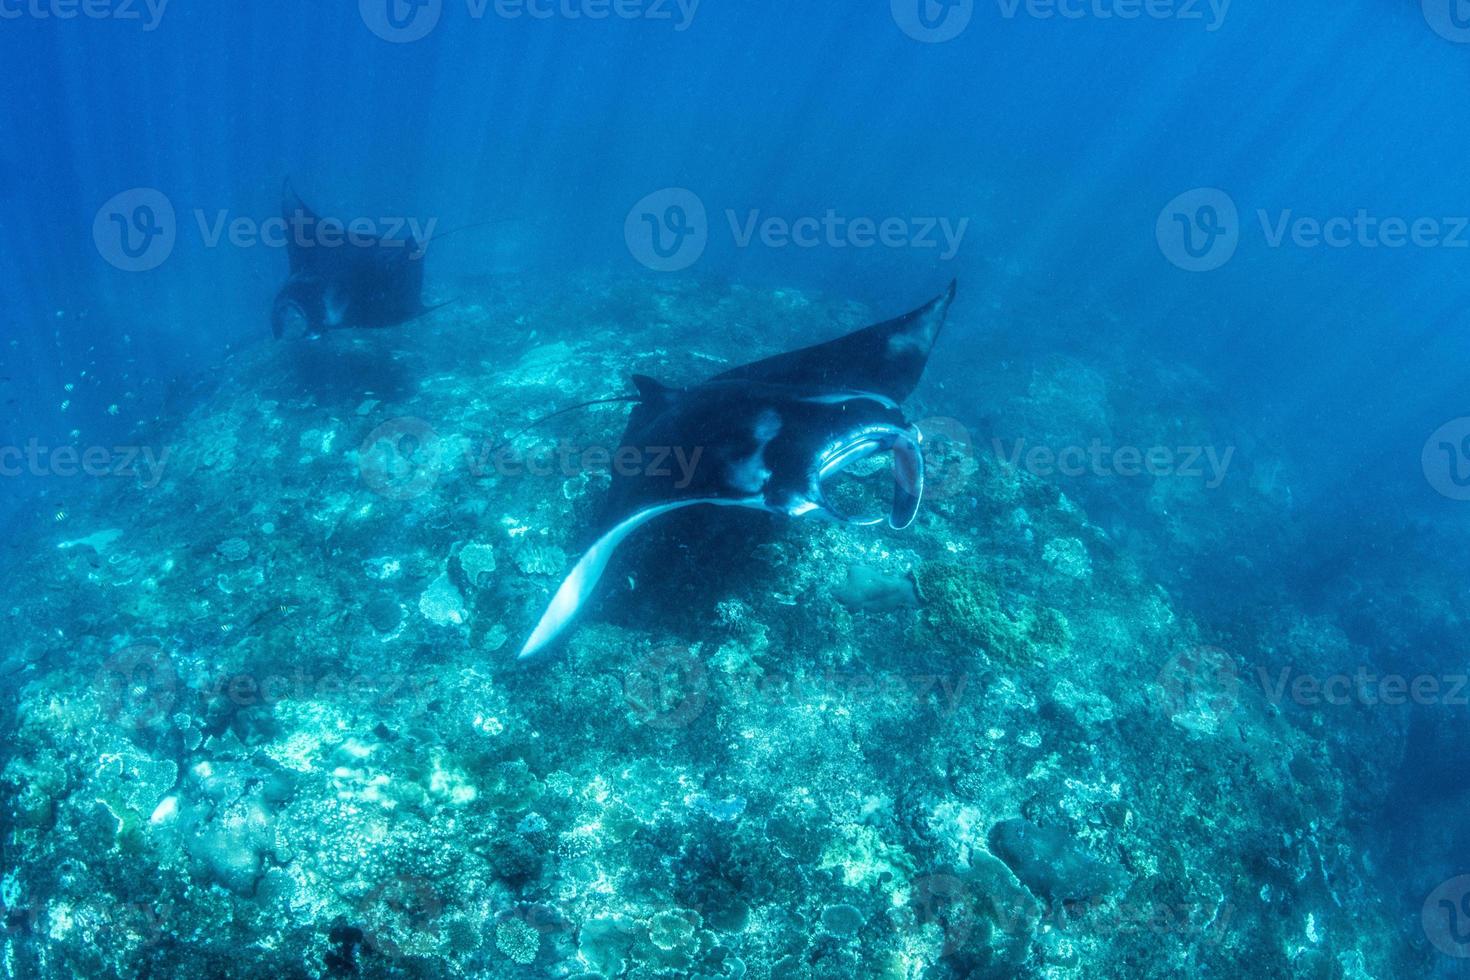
(856, 448)
(819, 431)
(843, 448)
(300, 308)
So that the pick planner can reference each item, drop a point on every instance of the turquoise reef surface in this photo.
(265, 717)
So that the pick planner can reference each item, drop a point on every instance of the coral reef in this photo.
(284, 732)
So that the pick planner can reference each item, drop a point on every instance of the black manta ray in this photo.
(772, 435)
(339, 279)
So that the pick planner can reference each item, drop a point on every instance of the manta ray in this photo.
(337, 280)
(773, 435)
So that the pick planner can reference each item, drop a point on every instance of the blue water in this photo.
(1050, 145)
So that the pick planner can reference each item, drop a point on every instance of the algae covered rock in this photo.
(1069, 557)
(1050, 863)
(441, 603)
(477, 561)
(870, 590)
(384, 613)
(605, 943)
(675, 941)
(842, 920)
(965, 608)
(233, 549)
(517, 939)
(535, 557)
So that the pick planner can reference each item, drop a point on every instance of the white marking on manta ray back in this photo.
(749, 475)
(919, 338)
(840, 397)
(577, 587)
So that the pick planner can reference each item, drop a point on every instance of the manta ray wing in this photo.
(306, 257)
(887, 358)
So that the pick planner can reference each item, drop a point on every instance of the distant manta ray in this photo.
(357, 281)
(772, 435)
